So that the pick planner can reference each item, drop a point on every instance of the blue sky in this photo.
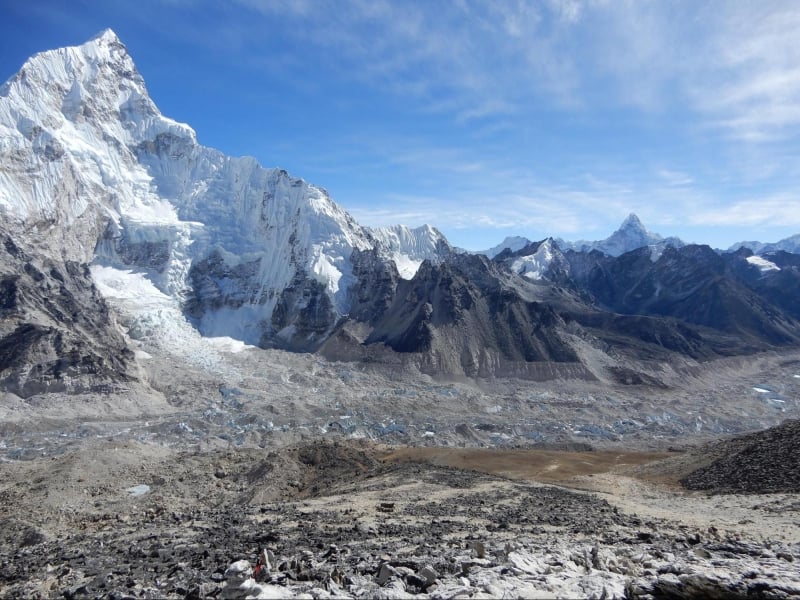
(485, 119)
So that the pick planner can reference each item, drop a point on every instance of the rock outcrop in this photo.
(760, 463)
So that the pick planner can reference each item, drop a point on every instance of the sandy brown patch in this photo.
(547, 466)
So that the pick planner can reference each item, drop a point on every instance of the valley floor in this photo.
(376, 481)
(353, 519)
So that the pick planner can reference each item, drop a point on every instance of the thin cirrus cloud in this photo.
(754, 71)
(778, 208)
(735, 64)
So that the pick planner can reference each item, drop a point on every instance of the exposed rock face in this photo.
(303, 316)
(777, 278)
(760, 463)
(468, 315)
(375, 287)
(56, 333)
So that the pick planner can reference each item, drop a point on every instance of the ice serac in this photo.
(249, 252)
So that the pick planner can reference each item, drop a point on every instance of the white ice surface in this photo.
(762, 263)
(535, 265)
(156, 318)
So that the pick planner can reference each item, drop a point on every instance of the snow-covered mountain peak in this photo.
(70, 118)
(106, 36)
(536, 265)
(249, 252)
(632, 221)
(631, 235)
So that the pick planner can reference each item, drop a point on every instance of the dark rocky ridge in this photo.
(693, 284)
(760, 463)
(466, 314)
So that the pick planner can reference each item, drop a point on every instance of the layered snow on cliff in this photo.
(66, 121)
(409, 247)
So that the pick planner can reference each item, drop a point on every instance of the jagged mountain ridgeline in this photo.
(116, 221)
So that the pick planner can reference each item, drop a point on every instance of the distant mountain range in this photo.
(111, 213)
(632, 235)
(789, 244)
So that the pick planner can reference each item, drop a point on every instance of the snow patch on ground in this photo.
(763, 264)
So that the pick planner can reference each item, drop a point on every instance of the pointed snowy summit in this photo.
(631, 235)
(106, 36)
(632, 223)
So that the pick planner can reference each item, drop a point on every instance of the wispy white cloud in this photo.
(674, 178)
(750, 80)
(779, 209)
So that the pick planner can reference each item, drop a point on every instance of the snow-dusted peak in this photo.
(408, 247)
(631, 235)
(106, 36)
(790, 244)
(513, 243)
(632, 223)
